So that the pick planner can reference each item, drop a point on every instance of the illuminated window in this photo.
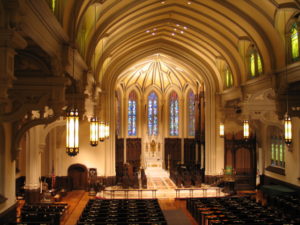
(294, 40)
(174, 114)
(132, 111)
(255, 62)
(228, 78)
(152, 114)
(277, 148)
(191, 113)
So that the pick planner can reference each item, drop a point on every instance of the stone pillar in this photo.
(181, 127)
(33, 165)
(7, 175)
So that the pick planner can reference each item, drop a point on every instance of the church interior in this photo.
(149, 112)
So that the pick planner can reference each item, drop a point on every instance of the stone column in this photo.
(181, 127)
(33, 165)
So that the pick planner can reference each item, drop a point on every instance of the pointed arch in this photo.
(254, 62)
(191, 113)
(132, 113)
(173, 114)
(152, 102)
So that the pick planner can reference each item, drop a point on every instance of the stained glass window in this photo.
(259, 64)
(174, 114)
(152, 114)
(294, 41)
(252, 65)
(228, 78)
(191, 112)
(132, 111)
(255, 63)
(277, 147)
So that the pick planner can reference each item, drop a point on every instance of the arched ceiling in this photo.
(201, 30)
(159, 71)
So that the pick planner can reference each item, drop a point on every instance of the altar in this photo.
(152, 154)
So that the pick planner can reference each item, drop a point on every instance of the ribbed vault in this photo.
(205, 30)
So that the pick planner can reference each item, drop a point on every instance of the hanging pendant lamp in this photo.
(222, 130)
(94, 131)
(246, 132)
(287, 129)
(101, 131)
(72, 132)
(106, 130)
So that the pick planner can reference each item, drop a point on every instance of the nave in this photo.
(246, 207)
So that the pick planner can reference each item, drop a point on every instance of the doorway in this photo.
(77, 175)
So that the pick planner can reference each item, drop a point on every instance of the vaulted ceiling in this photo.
(114, 35)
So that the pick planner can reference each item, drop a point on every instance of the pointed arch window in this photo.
(228, 79)
(191, 113)
(174, 114)
(277, 148)
(254, 62)
(132, 112)
(294, 41)
(152, 114)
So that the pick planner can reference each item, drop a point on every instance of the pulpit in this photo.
(229, 180)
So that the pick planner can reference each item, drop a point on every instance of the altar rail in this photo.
(191, 191)
(126, 192)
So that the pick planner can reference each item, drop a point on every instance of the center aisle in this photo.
(76, 201)
(175, 212)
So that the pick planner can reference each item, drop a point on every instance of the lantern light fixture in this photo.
(72, 132)
(287, 118)
(246, 132)
(287, 129)
(222, 130)
(101, 131)
(106, 130)
(94, 131)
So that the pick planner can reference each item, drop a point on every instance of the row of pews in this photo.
(288, 205)
(40, 213)
(186, 175)
(234, 210)
(121, 212)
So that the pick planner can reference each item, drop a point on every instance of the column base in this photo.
(32, 195)
(9, 215)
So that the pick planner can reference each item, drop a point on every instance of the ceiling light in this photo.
(153, 33)
(147, 31)
(185, 27)
(182, 31)
(189, 2)
(173, 34)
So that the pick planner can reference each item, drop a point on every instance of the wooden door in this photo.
(78, 176)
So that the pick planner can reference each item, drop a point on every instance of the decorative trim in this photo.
(277, 170)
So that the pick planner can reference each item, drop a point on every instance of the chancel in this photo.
(117, 112)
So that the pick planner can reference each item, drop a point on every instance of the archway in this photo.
(77, 174)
